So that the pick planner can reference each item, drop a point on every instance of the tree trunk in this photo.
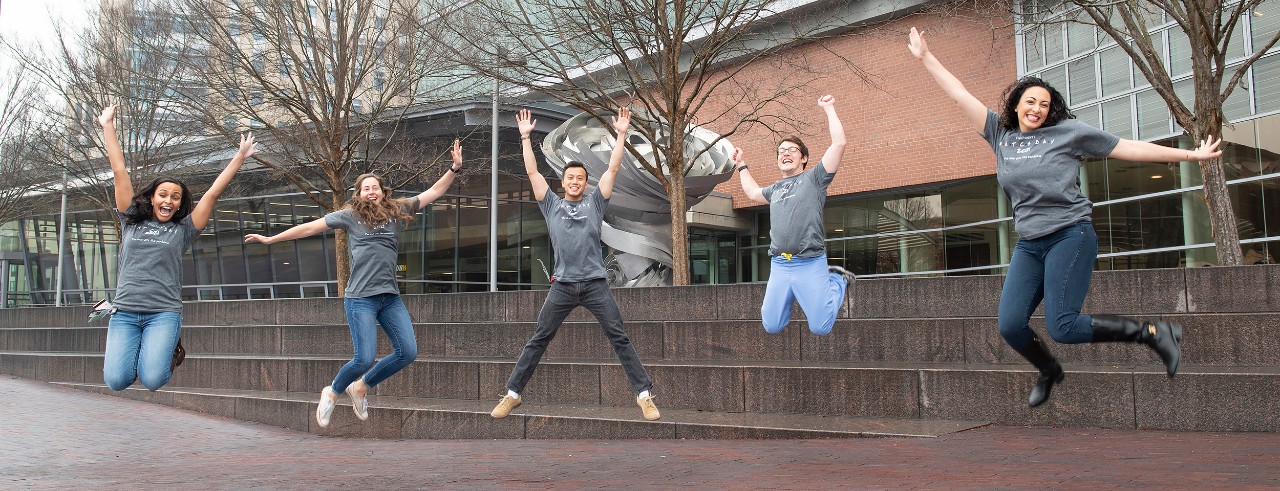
(679, 230)
(341, 260)
(1222, 217)
(342, 263)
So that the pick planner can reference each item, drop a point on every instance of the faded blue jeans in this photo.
(1055, 268)
(562, 298)
(140, 347)
(363, 316)
(807, 281)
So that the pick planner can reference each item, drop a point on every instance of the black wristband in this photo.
(452, 169)
(742, 167)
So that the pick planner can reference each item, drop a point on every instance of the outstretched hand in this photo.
(251, 238)
(622, 122)
(916, 44)
(525, 121)
(456, 153)
(247, 145)
(1208, 149)
(108, 115)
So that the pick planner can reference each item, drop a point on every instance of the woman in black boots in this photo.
(1038, 146)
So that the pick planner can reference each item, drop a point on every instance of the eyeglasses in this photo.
(788, 150)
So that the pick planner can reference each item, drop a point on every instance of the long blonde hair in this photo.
(385, 210)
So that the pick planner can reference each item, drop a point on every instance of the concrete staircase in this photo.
(908, 357)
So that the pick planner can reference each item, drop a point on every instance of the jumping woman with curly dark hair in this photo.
(159, 223)
(1038, 146)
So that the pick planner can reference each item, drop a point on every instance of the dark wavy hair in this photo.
(140, 210)
(1013, 94)
(385, 210)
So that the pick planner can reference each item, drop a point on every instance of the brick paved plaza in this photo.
(59, 438)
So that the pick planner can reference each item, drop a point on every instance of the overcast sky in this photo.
(30, 21)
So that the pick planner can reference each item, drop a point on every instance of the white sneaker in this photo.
(325, 409)
(359, 404)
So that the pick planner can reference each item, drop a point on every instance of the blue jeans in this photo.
(140, 347)
(804, 279)
(363, 315)
(562, 298)
(1055, 268)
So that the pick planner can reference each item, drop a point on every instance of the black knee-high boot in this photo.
(1050, 370)
(1163, 337)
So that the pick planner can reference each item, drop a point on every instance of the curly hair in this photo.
(140, 210)
(1013, 94)
(385, 210)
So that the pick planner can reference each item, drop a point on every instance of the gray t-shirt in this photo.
(1040, 172)
(574, 227)
(150, 264)
(374, 251)
(795, 213)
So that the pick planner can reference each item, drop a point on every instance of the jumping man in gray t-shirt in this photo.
(573, 222)
(798, 269)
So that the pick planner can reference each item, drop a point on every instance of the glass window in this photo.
(1153, 115)
(1146, 224)
(1179, 52)
(1080, 36)
(973, 246)
(1238, 105)
(1266, 77)
(1236, 49)
(1089, 115)
(1033, 49)
(441, 222)
(1264, 27)
(1117, 117)
(1053, 43)
(1115, 71)
(473, 241)
(1083, 81)
(1057, 78)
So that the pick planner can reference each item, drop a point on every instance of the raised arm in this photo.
(970, 107)
(1149, 152)
(526, 122)
(620, 125)
(115, 155)
(437, 190)
(296, 232)
(204, 209)
(831, 159)
(744, 175)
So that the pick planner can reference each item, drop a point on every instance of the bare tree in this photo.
(23, 168)
(1208, 27)
(108, 63)
(683, 62)
(326, 84)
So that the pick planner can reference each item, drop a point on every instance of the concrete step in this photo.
(1210, 339)
(1238, 289)
(1110, 396)
(405, 417)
